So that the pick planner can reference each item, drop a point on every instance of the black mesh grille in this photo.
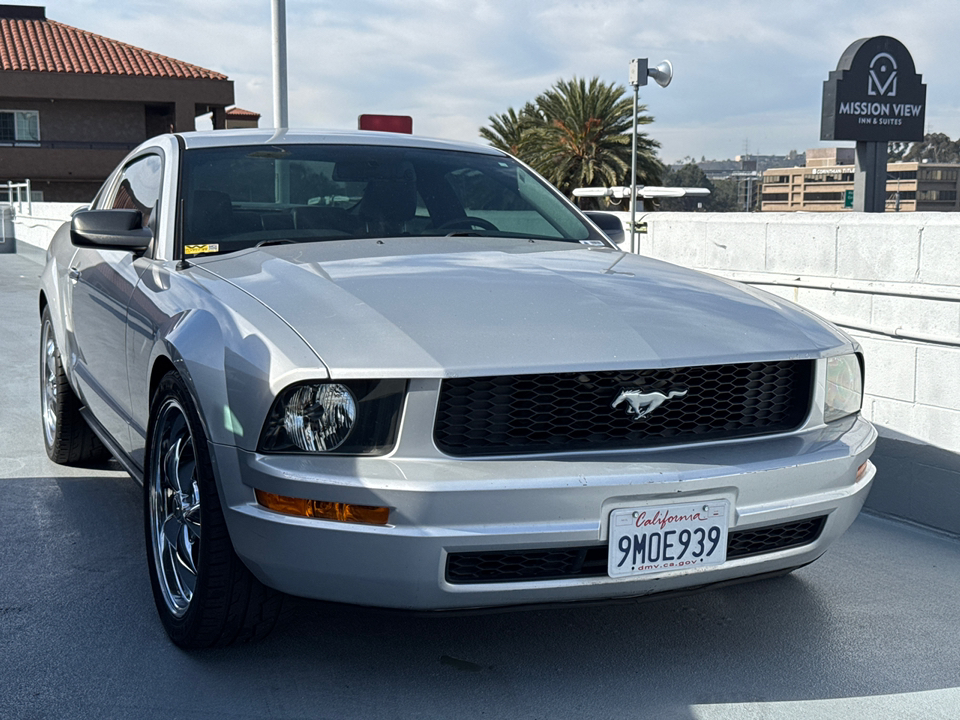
(744, 543)
(573, 411)
(591, 561)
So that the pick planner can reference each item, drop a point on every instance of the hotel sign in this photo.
(874, 95)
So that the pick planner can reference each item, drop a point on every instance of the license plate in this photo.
(665, 538)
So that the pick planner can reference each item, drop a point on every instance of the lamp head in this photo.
(662, 74)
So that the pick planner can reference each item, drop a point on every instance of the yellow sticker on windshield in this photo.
(197, 249)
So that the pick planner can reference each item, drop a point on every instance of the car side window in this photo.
(138, 188)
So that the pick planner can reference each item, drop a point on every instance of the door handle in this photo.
(73, 273)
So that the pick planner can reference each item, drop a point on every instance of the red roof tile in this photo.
(236, 112)
(48, 46)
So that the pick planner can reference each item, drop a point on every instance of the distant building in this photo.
(822, 185)
(746, 171)
(724, 169)
(72, 103)
(240, 118)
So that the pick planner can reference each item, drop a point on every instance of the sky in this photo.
(748, 74)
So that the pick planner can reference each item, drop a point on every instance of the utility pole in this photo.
(279, 17)
(640, 70)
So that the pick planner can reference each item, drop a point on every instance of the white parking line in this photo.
(927, 705)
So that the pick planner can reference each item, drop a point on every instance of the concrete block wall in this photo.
(35, 223)
(893, 282)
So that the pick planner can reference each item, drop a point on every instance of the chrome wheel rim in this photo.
(175, 507)
(49, 385)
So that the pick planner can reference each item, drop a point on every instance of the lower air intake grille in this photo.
(756, 541)
(563, 412)
(591, 561)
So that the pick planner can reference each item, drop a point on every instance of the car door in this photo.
(103, 281)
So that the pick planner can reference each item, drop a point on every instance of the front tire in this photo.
(204, 593)
(66, 436)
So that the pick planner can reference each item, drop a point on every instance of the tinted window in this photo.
(237, 197)
(139, 188)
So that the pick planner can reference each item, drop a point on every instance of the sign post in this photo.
(874, 96)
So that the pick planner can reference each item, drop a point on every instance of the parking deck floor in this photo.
(871, 630)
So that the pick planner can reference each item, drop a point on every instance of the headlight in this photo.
(348, 417)
(318, 418)
(844, 387)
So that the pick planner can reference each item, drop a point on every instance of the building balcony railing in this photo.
(70, 145)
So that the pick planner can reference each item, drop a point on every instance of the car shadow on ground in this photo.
(77, 625)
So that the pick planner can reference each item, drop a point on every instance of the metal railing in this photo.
(15, 194)
(71, 145)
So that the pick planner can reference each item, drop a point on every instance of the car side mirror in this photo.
(110, 229)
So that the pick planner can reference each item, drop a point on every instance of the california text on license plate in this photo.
(662, 538)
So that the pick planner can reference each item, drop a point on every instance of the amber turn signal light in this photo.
(341, 512)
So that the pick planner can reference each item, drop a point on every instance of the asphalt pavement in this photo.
(871, 630)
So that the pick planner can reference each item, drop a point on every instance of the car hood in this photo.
(429, 307)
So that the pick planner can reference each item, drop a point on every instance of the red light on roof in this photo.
(386, 123)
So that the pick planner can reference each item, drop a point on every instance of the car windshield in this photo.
(239, 197)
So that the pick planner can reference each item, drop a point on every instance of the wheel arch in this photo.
(161, 366)
(168, 358)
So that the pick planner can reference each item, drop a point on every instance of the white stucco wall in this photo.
(891, 280)
(35, 224)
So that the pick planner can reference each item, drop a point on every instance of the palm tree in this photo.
(578, 134)
(506, 131)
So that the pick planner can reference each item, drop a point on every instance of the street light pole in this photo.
(633, 166)
(279, 17)
(639, 72)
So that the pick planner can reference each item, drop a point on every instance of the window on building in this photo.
(775, 197)
(939, 174)
(904, 195)
(823, 197)
(828, 177)
(19, 126)
(902, 175)
(937, 196)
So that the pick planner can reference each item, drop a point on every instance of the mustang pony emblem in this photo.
(642, 404)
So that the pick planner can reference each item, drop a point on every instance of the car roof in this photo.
(269, 136)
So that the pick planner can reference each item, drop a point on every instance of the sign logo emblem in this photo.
(640, 404)
(883, 76)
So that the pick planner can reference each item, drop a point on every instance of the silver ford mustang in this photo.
(405, 373)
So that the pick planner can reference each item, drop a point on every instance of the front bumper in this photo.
(443, 505)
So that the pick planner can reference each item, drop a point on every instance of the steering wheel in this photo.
(468, 222)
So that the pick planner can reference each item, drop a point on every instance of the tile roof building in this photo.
(240, 118)
(73, 103)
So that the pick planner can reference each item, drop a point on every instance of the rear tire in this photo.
(204, 593)
(66, 436)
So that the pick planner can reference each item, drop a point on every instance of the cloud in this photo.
(745, 69)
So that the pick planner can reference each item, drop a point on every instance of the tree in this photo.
(506, 131)
(578, 134)
(935, 147)
(896, 149)
(687, 176)
(723, 197)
